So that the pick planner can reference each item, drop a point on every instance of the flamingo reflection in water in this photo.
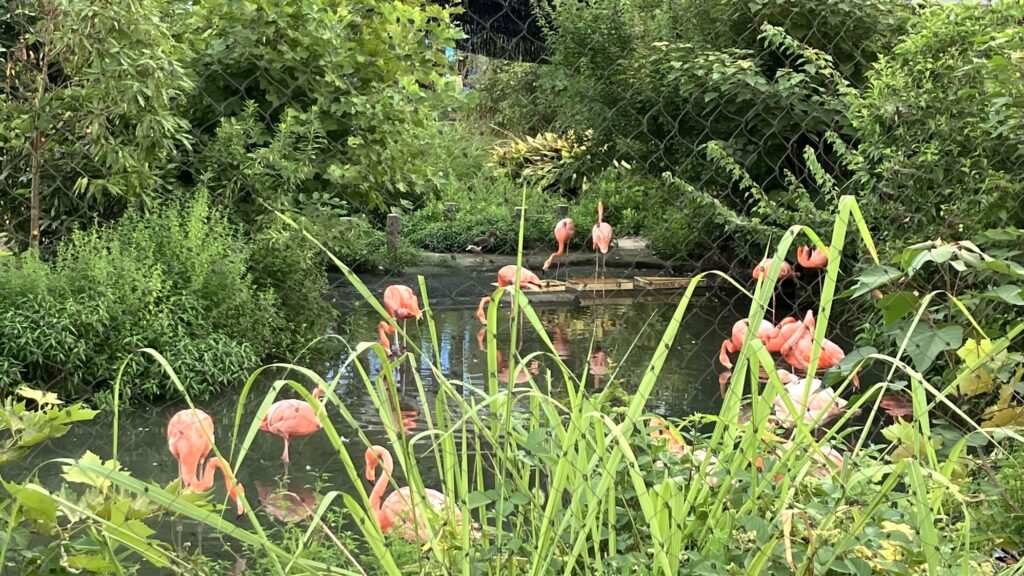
(286, 503)
(599, 364)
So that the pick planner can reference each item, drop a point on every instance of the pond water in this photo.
(623, 335)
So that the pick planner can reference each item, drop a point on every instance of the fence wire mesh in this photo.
(158, 158)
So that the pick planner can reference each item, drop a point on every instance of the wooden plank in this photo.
(599, 284)
(667, 282)
(546, 286)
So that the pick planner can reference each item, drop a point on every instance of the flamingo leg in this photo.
(284, 455)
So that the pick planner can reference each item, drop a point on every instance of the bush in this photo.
(487, 205)
(517, 97)
(177, 280)
(941, 126)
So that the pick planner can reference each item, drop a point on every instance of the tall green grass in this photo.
(560, 481)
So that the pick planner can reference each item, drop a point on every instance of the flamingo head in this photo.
(371, 464)
(236, 492)
(809, 320)
(786, 376)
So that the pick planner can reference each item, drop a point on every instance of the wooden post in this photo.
(449, 209)
(393, 228)
(562, 211)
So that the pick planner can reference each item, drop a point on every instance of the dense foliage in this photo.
(941, 124)
(179, 280)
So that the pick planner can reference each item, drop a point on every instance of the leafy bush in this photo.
(546, 160)
(177, 280)
(334, 99)
(517, 97)
(941, 124)
(969, 298)
(486, 205)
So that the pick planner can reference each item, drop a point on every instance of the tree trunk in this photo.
(37, 184)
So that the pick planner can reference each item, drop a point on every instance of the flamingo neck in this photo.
(206, 482)
(600, 213)
(385, 461)
(383, 329)
(480, 313)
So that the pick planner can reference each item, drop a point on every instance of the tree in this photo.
(321, 104)
(88, 111)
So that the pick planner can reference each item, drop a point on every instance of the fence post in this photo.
(394, 228)
(562, 211)
(449, 209)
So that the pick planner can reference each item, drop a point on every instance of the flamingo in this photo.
(527, 280)
(815, 404)
(812, 258)
(673, 441)
(190, 439)
(785, 271)
(396, 512)
(601, 237)
(782, 333)
(739, 334)
(560, 343)
(797, 350)
(290, 418)
(564, 231)
(522, 376)
(383, 329)
(401, 303)
(481, 314)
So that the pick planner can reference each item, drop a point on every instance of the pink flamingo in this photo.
(739, 334)
(190, 439)
(782, 333)
(383, 329)
(601, 237)
(811, 258)
(564, 231)
(290, 418)
(797, 350)
(527, 280)
(401, 303)
(396, 512)
(785, 271)
(481, 314)
(673, 441)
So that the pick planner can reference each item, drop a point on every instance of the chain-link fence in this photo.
(159, 159)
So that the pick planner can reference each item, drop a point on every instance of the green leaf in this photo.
(36, 501)
(41, 398)
(519, 498)
(91, 563)
(896, 305)
(1006, 293)
(872, 278)
(927, 343)
(76, 474)
(477, 499)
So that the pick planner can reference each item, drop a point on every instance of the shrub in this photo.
(517, 97)
(487, 205)
(177, 280)
(941, 126)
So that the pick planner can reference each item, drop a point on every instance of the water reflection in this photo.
(287, 502)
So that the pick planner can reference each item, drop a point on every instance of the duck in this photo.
(482, 244)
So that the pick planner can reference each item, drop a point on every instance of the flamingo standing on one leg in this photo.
(739, 334)
(761, 272)
(564, 231)
(290, 418)
(401, 303)
(397, 512)
(601, 237)
(190, 439)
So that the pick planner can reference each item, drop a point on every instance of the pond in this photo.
(615, 339)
